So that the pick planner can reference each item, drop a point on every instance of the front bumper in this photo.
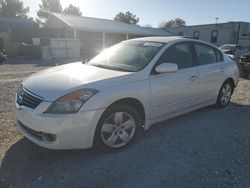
(68, 131)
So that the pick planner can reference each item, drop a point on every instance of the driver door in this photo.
(174, 92)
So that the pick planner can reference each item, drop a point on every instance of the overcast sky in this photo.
(152, 12)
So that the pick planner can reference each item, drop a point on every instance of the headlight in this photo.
(72, 102)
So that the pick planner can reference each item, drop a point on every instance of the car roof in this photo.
(169, 39)
(162, 39)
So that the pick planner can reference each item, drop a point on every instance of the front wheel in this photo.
(117, 128)
(225, 94)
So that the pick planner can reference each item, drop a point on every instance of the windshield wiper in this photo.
(99, 65)
(112, 68)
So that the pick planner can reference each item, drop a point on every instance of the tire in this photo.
(224, 95)
(117, 128)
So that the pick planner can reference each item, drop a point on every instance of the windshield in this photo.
(127, 56)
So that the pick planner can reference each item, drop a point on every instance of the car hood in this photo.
(226, 51)
(55, 82)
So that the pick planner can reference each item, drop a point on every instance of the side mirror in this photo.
(85, 61)
(166, 68)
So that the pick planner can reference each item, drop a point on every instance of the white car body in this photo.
(162, 96)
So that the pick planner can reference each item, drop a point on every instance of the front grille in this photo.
(25, 98)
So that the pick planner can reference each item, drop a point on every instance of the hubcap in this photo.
(226, 94)
(118, 129)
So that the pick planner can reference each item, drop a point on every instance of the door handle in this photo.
(193, 78)
(222, 69)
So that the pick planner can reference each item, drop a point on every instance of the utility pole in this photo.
(216, 20)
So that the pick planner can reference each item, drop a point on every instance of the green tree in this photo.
(71, 9)
(177, 22)
(13, 9)
(127, 17)
(47, 7)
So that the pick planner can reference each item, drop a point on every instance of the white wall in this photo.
(225, 32)
(244, 38)
(62, 48)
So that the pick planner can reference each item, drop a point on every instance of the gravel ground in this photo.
(205, 148)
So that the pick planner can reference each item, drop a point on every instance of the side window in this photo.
(239, 48)
(196, 35)
(214, 36)
(181, 54)
(205, 54)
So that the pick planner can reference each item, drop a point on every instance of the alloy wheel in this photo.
(226, 94)
(118, 129)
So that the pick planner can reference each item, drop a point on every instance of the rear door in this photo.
(210, 69)
(174, 92)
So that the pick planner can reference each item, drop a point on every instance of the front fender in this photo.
(139, 90)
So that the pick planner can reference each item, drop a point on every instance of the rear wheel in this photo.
(117, 128)
(225, 94)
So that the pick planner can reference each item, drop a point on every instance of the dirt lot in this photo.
(205, 148)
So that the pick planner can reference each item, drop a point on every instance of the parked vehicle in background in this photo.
(3, 56)
(123, 90)
(244, 64)
(233, 50)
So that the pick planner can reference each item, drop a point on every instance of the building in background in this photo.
(217, 34)
(96, 34)
(9, 24)
(66, 36)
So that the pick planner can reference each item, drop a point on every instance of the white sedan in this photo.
(125, 89)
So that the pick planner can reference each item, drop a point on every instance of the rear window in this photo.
(205, 54)
(239, 48)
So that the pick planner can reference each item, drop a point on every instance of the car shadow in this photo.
(180, 148)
